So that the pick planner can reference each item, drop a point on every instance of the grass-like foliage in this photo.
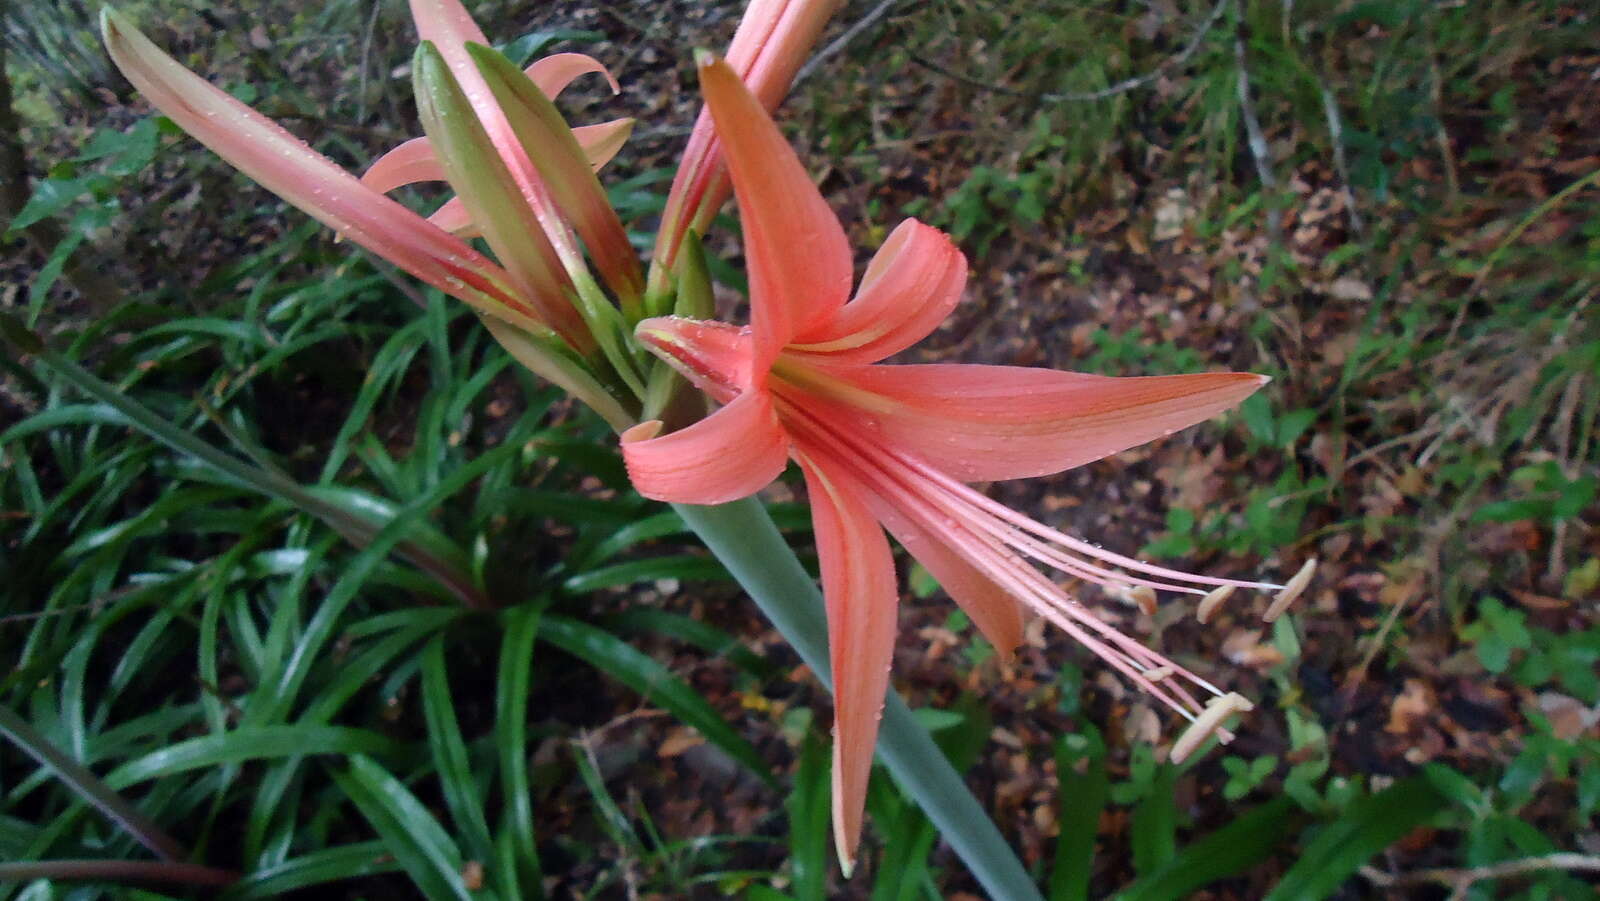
(306, 586)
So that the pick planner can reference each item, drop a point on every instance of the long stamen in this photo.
(1024, 523)
(984, 543)
(1291, 591)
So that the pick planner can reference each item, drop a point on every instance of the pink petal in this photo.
(730, 454)
(773, 39)
(453, 217)
(554, 72)
(601, 142)
(992, 608)
(799, 260)
(414, 161)
(407, 164)
(489, 188)
(283, 164)
(980, 423)
(714, 356)
(565, 168)
(448, 25)
(447, 22)
(911, 285)
(858, 583)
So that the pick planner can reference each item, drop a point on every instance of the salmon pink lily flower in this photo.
(555, 193)
(892, 447)
(526, 297)
(772, 40)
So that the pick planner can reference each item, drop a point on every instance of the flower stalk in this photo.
(741, 534)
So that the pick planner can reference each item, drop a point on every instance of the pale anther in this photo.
(1213, 599)
(1217, 710)
(1291, 591)
(1145, 597)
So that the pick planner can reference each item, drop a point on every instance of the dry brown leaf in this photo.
(1416, 702)
(679, 740)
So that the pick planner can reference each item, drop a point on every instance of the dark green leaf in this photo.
(613, 658)
(408, 830)
(1081, 773)
(1249, 839)
(518, 852)
(51, 196)
(316, 868)
(250, 743)
(1367, 826)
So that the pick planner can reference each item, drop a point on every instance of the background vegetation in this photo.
(238, 462)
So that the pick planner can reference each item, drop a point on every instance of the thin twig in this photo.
(967, 80)
(119, 870)
(1259, 151)
(1121, 87)
(87, 786)
(1459, 881)
(1566, 413)
(1129, 84)
(1441, 137)
(843, 40)
(1330, 109)
(366, 56)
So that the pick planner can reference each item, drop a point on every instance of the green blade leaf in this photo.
(620, 661)
(408, 830)
(681, 567)
(250, 743)
(358, 530)
(1366, 827)
(1081, 773)
(518, 850)
(316, 868)
(89, 787)
(1154, 826)
(1246, 841)
(450, 754)
(808, 821)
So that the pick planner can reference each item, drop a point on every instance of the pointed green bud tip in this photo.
(483, 53)
(108, 21)
(431, 80)
(426, 53)
(703, 57)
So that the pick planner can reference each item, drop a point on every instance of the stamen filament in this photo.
(986, 544)
(1077, 544)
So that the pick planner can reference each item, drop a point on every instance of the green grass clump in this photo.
(304, 585)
